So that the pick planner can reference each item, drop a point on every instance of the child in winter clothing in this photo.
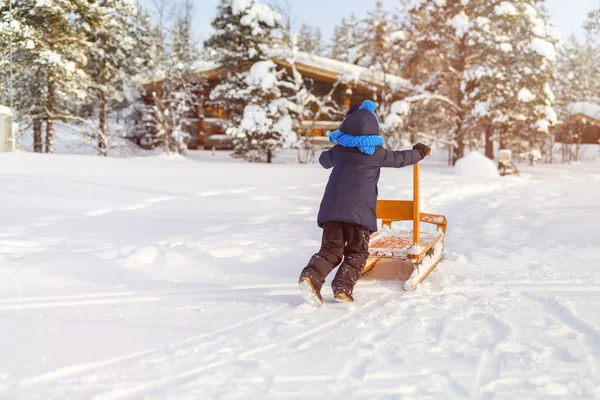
(347, 212)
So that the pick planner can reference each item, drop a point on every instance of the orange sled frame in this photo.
(422, 249)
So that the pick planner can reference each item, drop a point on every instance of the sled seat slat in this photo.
(399, 244)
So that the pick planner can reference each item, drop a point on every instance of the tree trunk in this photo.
(50, 101)
(489, 142)
(413, 137)
(37, 136)
(459, 151)
(460, 115)
(269, 156)
(502, 138)
(103, 138)
(50, 121)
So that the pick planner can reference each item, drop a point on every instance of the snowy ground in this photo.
(176, 278)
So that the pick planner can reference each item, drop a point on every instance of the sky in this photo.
(568, 15)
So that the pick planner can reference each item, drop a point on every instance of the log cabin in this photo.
(321, 74)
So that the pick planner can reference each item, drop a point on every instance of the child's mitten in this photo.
(423, 149)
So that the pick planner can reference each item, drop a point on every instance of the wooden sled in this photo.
(422, 250)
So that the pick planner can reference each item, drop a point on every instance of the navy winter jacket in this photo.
(351, 193)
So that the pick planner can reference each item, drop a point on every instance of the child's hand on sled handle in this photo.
(423, 149)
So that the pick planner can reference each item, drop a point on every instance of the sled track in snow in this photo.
(189, 375)
(190, 342)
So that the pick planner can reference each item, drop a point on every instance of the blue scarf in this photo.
(366, 144)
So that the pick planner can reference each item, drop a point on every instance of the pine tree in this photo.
(183, 46)
(382, 49)
(494, 60)
(51, 49)
(167, 101)
(120, 50)
(592, 27)
(347, 40)
(310, 40)
(254, 95)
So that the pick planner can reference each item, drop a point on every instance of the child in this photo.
(347, 212)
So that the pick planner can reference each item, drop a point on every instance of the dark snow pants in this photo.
(340, 240)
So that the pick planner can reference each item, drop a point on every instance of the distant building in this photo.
(586, 116)
(362, 83)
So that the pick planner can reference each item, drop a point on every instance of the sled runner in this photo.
(423, 250)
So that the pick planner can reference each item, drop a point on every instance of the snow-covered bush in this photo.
(476, 165)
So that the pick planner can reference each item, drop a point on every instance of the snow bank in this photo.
(476, 165)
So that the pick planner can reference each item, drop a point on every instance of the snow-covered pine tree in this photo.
(347, 39)
(310, 40)
(170, 112)
(50, 49)
(254, 94)
(443, 47)
(120, 50)
(592, 26)
(166, 120)
(183, 45)
(382, 50)
(525, 116)
(489, 57)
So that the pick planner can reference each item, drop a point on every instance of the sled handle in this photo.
(416, 204)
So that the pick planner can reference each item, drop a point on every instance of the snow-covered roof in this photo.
(329, 67)
(586, 108)
(5, 110)
(352, 72)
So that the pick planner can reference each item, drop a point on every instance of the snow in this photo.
(263, 74)
(239, 6)
(544, 48)
(400, 107)
(255, 119)
(200, 66)
(5, 110)
(588, 109)
(167, 277)
(460, 22)
(254, 14)
(476, 165)
(506, 47)
(481, 108)
(506, 8)
(397, 35)
(542, 125)
(525, 95)
(551, 115)
(549, 93)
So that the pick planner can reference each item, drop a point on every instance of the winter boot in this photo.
(309, 293)
(343, 297)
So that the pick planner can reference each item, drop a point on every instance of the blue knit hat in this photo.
(362, 121)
